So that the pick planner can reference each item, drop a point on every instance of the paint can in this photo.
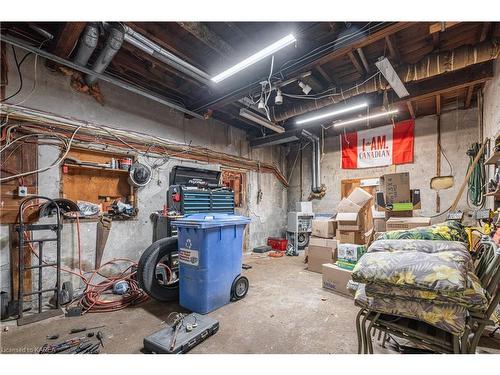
(125, 163)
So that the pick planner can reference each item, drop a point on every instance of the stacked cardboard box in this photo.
(319, 252)
(322, 246)
(403, 223)
(348, 255)
(336, 278)
(354, 224)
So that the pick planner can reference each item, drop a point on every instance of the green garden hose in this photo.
(477, 180)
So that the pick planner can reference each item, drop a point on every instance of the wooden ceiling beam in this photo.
(67, 39)
(201, 32)
(411, 111)
(366, 41)
(441, 26)
(468, 96)
(355, 62)
(485, 29)
(393, 49)
(364, 61)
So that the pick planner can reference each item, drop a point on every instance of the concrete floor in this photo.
(285, 311)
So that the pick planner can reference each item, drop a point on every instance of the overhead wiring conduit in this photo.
(42, 122)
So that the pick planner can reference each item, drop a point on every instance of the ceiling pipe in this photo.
(87, 44)
(141, 42)
(124, 85)
(113, 45)
(430, 66)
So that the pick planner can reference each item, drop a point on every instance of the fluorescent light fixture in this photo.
(268, 51)
(249, 115)
(392, 77)
(364, 118)
(331, 113)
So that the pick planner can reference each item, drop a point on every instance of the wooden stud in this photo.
(410, 109)
(68, 38)
(438, 151)
(468, 96)
(393, 50)
(14, 264)
(441, 26)
(438, 104)
(484, 31)
(356, 63)
(364, 61)
(208, 37)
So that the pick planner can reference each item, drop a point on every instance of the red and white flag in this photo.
(377, 147)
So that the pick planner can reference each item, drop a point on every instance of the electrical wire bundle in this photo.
(93, 297)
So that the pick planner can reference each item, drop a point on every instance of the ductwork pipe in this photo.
(430, 66)
(315, 161)
(153, 49)
(113, 45)
(88, 43)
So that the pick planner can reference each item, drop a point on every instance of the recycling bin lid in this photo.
(210, 220)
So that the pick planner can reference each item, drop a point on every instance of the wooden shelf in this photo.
(114, 170)
(493, 159)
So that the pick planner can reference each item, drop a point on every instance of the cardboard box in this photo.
(403, 223)
(325, 242)
(396, 187)
(354, 237)
(305, 207)
(335, 278)
(350, 252)
(353, 211)
(324, 227)
(317, 255)
(379, 224)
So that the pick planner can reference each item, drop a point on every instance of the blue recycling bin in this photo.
(210, 256)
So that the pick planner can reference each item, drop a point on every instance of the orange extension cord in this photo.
(92, 300)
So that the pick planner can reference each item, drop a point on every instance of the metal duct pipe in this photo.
(153, 49)
(430, 66)
(113, 44)
(87, 44)
(315, 163)
(124, 85)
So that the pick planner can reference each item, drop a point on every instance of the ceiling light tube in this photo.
(364, 118)
(332, 113)
(392, 77)
(268, 51)
(249, 115)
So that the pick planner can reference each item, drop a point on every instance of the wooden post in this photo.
(438, 148)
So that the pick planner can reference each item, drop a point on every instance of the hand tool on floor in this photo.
(83, 329)
(52, 337)
(100, 337)
(103, 229)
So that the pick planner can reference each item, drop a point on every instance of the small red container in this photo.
(277, 243)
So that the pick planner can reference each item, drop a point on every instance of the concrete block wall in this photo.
(128, 111)
(458, 130)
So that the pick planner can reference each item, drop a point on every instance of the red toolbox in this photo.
(277, 243)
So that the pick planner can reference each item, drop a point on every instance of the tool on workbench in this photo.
(82, 329)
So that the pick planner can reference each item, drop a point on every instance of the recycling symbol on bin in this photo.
(188, 244)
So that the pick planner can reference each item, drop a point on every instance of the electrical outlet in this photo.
(22, 191)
